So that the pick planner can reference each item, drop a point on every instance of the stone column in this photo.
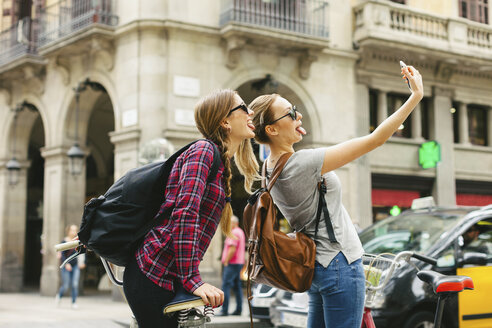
(64, 198)
(416, 118)
(463, 124)
(13, 200)
(362, 209)
(382, 106)
(489, 124)
(444, 191)
(126, 146)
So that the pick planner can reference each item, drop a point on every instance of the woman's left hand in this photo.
(415, 79)
(210, 295)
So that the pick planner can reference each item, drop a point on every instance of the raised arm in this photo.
(345, 152)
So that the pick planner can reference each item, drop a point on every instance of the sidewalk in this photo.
(32, 310)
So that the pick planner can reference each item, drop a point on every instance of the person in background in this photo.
(70, 273)
(233, 261)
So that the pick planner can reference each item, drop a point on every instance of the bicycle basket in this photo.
(376, 269)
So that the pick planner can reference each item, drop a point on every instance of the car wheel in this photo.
(423, 319)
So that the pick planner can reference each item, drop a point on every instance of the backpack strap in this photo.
(212, 173)
(215, 163)
(323, 207)
(277, 170)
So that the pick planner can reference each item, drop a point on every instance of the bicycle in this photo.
(186, 307)
(379, 268)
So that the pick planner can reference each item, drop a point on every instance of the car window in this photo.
(476, 239)
(409, 231)
(481, 241)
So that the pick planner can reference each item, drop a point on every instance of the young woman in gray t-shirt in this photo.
(336, 296)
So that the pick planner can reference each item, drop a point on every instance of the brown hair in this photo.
(263, 115)
(209, 114)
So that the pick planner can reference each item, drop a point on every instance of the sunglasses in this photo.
(242, 107)
(292, 113)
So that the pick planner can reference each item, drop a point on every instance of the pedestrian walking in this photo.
(70, 273)
(171, 252)
(233, 261)
(336, 296)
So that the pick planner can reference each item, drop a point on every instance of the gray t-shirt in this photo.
(296, 194)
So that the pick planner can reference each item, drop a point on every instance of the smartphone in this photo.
(403, 65)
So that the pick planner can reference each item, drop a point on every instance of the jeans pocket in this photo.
(329, 278)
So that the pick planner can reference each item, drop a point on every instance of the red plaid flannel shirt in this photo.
(173, 250)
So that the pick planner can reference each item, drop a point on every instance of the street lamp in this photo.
(75, 154)
(13, 165)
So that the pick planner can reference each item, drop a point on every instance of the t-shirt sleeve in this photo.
(306, 163)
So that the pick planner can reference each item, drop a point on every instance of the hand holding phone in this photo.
(403, 65)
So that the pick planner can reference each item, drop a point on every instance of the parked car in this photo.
(289, 309)
(406, 301)
(440, 233)
(263, 296)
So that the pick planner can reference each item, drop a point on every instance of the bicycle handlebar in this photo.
(425, 259)
(67, 245)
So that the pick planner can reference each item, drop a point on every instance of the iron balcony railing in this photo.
(18, 40)
(70, 16)
(307, 17)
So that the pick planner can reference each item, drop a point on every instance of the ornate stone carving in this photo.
(61, 66)
(306, 58)
(444, 71)
(234, 45)
(104, 51)
(34, 79)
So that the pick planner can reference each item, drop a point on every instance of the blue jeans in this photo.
(336, 296)
(70, 279)
(231, 279)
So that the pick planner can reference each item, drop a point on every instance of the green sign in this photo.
(429, 154)
(395, 210)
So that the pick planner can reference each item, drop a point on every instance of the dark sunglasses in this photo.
(292, 113)
(242, 106)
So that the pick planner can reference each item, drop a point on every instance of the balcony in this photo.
(53, 25)
(67, 18)
(303, 17)
(299, 27)
(18, 41)
(390, 22)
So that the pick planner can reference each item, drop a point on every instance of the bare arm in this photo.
(345, 152)
(230, 254)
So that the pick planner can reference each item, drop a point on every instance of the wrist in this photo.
(418, 95)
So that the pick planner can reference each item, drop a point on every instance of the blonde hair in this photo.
(210, 111)
(263, 115)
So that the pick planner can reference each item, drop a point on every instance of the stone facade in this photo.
(155, 59)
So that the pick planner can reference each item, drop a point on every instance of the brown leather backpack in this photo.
(276, 259)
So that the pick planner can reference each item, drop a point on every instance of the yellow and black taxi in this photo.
(460, 238)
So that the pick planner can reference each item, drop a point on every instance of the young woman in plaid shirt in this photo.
(172, 251)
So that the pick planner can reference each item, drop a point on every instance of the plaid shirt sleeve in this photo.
(187, 227)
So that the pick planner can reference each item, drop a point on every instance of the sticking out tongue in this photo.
(301, 130)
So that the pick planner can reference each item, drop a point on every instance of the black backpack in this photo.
(114, 224)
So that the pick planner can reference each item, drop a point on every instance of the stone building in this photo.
(113, 76)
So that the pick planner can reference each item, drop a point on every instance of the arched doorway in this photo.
(23, 220)
(100, 121)
(34, 206)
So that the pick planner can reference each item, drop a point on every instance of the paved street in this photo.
(95, 311)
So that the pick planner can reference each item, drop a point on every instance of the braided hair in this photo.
(210, 112)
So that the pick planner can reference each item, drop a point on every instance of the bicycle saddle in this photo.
(442, 283)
